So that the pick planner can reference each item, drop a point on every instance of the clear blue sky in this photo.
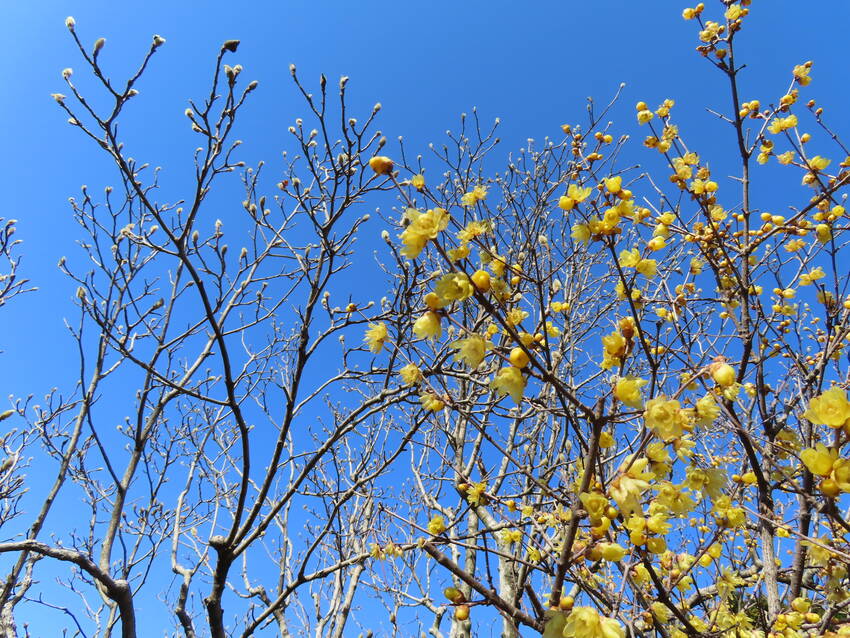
(530, 63)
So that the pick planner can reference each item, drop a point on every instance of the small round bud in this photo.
(70, 23)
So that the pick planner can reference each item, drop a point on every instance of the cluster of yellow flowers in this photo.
(641, 509)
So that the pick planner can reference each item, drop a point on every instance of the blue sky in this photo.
(531, 64)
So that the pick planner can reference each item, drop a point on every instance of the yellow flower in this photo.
(375, 336)
(566, 203)
(595, 505)
(814, 274)
(418, 182)
(780, 124)
(431, 402)
(627, 488)
(734, 12)
(381, 164)
(421, 228)
(614, 344)
(475, 195)
(647, 268)
(819, 163)
(428, 326)
(454, 286)
(723, 374)
(707, 410)
(410, 374)
(628, 391)
(612, 552)
(801, 73)
(819, 460)
(437, 525)
(644, 116)
(472, 230)
(613, 184)
(613, 350)
(581, 232)
(471, 350)
(585, 622)
(710, 480)
(475, 492)
(830, 408)
(726, 515)
(629, 258)
(509, 381)
(578, 193)
(664, 417)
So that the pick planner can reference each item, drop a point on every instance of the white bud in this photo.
(158, 40)
(98, 44)
(70, 22)
(66, 73)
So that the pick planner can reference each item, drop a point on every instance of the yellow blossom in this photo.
(578, 193)
(581, 232)
(410, 374)
(375, 336)
(475, 195)
(471, 350)
(814, 274)
(475, 493)
(510, 381)
(628, 487)
(613, 184)
(595, 505)
(612, 552)
(585, 622)
(454, 286)
(428, 326)
(381, 164)
(628, 391)
(421, 228)
(707, 410)
(830, 408)
(437, 525)
(664, 417)
(819, 459)
(431, 402)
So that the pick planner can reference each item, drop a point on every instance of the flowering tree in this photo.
(592, 401)
(637, 381)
